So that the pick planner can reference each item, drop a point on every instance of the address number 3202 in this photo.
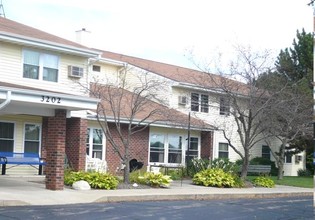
(50, 99)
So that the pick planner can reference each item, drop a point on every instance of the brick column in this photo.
(55, 150)
(76, 143)
(206, 145)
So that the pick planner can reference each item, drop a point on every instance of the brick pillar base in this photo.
(55, 150)
(76, 143)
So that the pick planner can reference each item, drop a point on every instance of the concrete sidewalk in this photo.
(30, 190)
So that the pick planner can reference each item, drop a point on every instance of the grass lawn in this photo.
(306, 182)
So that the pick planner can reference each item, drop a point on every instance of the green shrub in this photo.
(264, 182)
(225, 164)
(134, 176)
(302, 172)
(175, 174)
(196, 165)
(155, 179)
(214, 177)
(95, 179)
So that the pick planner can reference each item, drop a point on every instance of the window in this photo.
(199, 100)
(265, 152)
(96, 68)
(157, 148)
(38, 65)
(224, 106)
(175, 149)
(94, 143)
(204, 103)
(6, 136)
(31, 138)
(223, 150)
(193, 148)
(288, 157)
(195, 102)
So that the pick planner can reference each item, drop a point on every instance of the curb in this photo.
(108, 199)
(4, 203)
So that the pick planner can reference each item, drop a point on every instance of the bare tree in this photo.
(290, 118)
(128, 108)
(245, 103)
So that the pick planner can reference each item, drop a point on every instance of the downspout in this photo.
(7, 101)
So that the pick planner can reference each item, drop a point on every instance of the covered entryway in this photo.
(60, 127)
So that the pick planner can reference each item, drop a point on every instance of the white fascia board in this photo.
(196, 87)
(18, 39)
(50, 99)
(111, 62)
(156, 124)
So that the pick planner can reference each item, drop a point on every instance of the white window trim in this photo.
(199, 102)
(91, 142)
(40, 136)
(166, 150)
(14, 133)
(41, 67)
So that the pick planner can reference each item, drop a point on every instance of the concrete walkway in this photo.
(30, 190)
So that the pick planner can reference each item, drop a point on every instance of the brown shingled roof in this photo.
(179, 74)
(119, 101)
(14, 28)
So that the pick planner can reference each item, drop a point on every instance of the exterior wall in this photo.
(291, 169)
(19, 122)
(76, 143)
(11, 64)
(138, 148)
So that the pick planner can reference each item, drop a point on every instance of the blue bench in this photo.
(17, 159)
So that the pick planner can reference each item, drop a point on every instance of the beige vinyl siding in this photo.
(11, 66)
(20, 121)
(108, 74)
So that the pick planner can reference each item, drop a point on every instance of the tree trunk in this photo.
(281, 161)
(126, 171)
(245, 165)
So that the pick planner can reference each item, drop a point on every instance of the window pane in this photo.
(223, 147)
(31, 57)
(175, 142)
(193, 143)
(157, 148)
(50, 74)
(32, 132)
(157, 141)
(6, 136)
(223, 150)
(31, 147)
(97, 136)
(204, 103)
(6, 130)
(224, 106)
(87, 141)
(195, 102)
(30, 71)
(265, 152)
(6, 145)
(50, 61)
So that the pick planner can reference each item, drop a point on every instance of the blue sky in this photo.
(166, 30)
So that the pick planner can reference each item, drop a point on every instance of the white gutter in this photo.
(48, 45)
(7, 101)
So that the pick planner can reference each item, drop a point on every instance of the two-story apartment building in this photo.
(192, 91)
(45, 107)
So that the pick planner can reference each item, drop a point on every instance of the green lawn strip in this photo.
(305, 182)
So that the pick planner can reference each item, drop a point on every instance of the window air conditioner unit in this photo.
(75, 71)
(182, 100)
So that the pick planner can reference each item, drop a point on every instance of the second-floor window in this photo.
(40, 66)
(199, 102)
(224, 106)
